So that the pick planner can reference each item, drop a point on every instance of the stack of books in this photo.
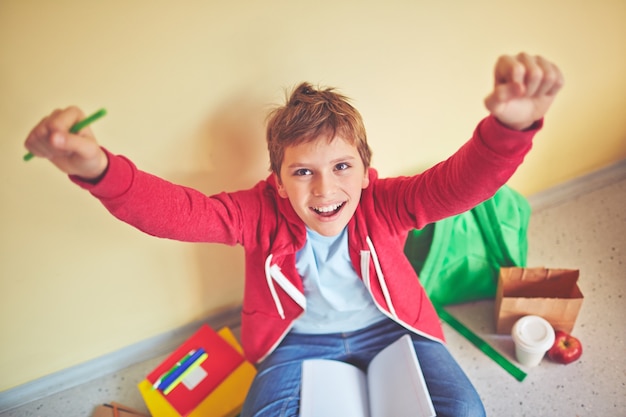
(206, 376)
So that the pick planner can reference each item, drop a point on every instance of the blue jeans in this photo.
(275, 392)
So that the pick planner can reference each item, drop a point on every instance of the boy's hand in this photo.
(524, 89)
(75, 154)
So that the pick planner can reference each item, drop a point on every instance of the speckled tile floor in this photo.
(586, 231)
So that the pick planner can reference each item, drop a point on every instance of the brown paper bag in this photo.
(550, 293)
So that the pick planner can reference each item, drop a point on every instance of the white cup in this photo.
(533, 336)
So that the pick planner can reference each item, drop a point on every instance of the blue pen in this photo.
(186, 373)
(168, 380)
(158, 382)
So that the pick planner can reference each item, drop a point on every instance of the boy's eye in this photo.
(302, 172)
(342, 166)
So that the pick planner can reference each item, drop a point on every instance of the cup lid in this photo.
(534, 333)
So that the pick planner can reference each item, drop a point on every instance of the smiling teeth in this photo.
(327, 209)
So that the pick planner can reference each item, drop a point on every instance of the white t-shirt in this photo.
(336, 298)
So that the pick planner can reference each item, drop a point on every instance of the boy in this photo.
(326, 275)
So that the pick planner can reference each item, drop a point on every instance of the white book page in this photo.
(332, 389)
(396, 383)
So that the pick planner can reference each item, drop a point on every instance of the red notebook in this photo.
(222, 359)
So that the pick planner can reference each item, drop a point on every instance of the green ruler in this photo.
(481, 344)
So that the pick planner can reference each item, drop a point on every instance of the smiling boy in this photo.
(323, 182)
(326, 275)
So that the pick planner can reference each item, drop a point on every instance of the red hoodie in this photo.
(271, 232)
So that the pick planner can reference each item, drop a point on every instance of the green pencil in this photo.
(77, 127)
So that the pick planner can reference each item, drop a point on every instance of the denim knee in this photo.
(467, 404)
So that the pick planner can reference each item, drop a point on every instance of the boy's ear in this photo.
(280, 187)
(366, 180)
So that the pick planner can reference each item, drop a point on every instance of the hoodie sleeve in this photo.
(163, 209)
(470, 176)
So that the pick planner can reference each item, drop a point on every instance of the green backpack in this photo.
(458, 259)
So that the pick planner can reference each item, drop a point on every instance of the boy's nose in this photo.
(323, 185)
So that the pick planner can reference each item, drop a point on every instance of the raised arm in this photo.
(149, 203)
(524, 89)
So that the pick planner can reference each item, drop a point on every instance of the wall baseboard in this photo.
(113, 362)
(578, 186)
(167, 342)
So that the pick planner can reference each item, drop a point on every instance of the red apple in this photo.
(566, 348)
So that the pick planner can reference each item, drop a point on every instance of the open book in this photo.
(393, 386)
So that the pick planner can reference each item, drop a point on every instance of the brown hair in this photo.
(310, 113)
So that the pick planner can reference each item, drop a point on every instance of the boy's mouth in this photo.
(328, 211)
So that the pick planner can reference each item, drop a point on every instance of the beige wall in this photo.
(185, 82)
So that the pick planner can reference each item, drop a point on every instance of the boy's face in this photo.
(323, 182)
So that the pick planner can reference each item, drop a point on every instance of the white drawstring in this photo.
(273, 273)
(381, 278)
(270, 284)
(365, 268)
